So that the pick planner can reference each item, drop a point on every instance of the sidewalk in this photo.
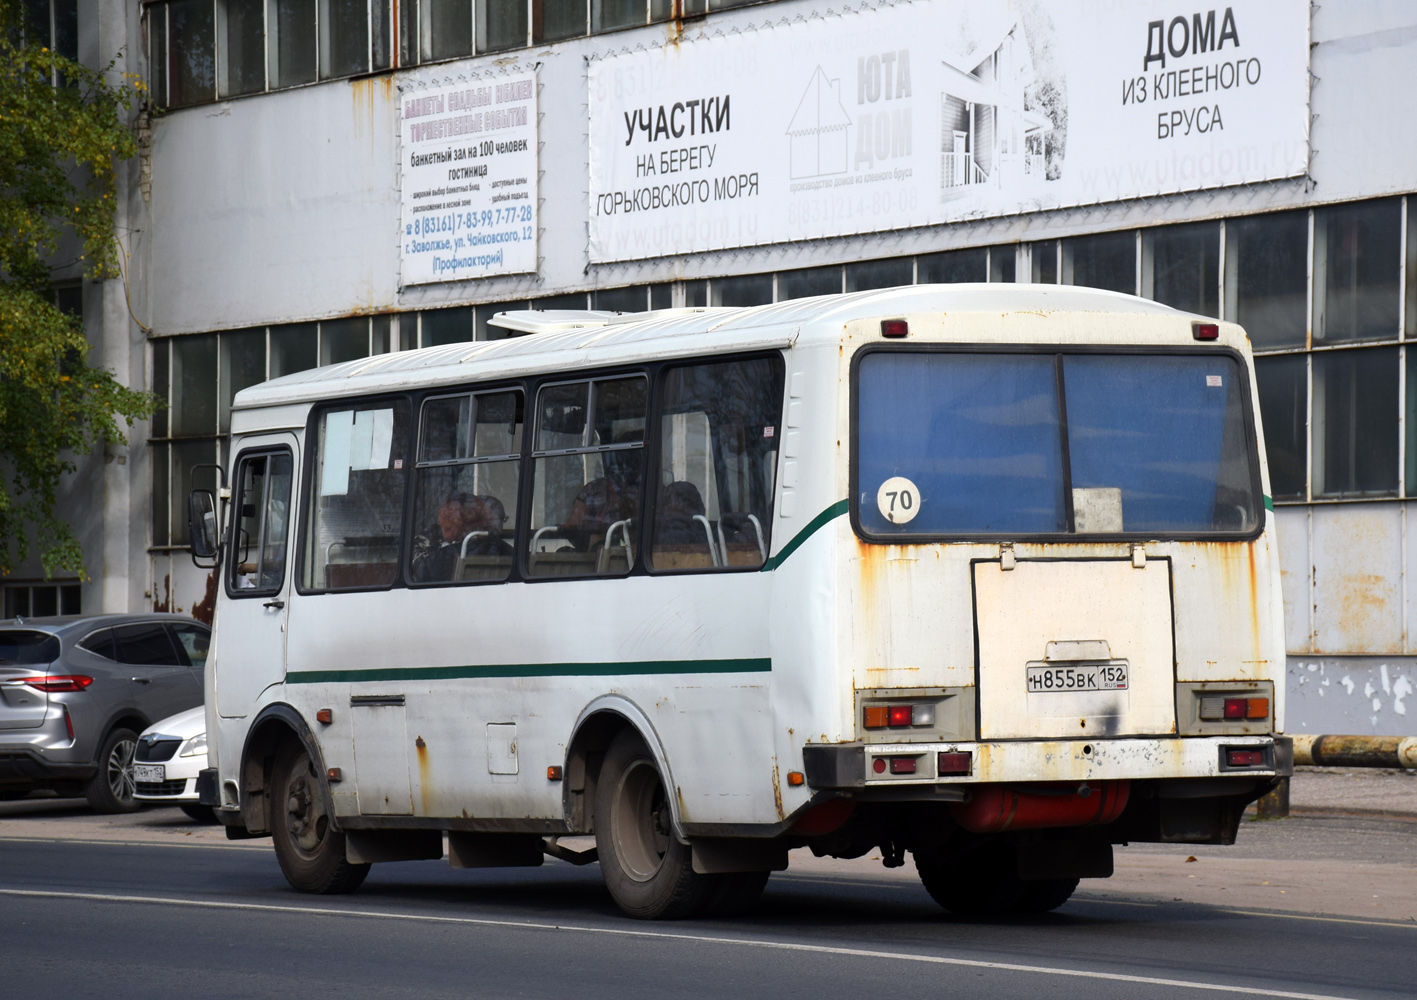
(1356, 790)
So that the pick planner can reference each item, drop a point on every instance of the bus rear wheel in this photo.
(649, 873)
(1045, 895)
(980, 883)
(308, 847)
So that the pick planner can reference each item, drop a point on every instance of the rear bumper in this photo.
(24, 766)
(853, 765)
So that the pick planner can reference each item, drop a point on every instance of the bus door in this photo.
(251, 625)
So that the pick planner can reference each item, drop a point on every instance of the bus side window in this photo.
(718, 432)
(466, 487)
(261, 519)
(356, 497)
(589, 456)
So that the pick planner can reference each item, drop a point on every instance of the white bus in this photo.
(981, 573)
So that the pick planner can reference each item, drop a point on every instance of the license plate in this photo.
(1078, 677)
(149, 772)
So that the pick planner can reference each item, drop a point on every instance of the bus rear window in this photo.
(973, 444)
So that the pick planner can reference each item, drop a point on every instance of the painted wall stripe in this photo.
(830, 514)
(490, 670)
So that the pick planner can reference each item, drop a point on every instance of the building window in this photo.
(262, 46)
(807, 282)
(1355, 423)
(746, 290)
(240, 28)
(291, 42)
(43, 600)
(1108, 260)
(955, 266)
(1266, 275)
(1044, 260)
(1180, 266)
(1283, 384)
(1357, 251)
(880, 274)
(199, 375)
(54, 25)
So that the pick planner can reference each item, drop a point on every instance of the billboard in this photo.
(938, 111)
(468, 179)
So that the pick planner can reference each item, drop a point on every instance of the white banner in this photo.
(938, 111)
(469, 179)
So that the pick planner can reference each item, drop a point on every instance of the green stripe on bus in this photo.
(745, 666)
(1268, 503)
(830, 514)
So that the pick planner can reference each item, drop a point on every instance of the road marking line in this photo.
(817, 949)
(1326, 920)
(134, 843)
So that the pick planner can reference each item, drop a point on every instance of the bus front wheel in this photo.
(308, 847)
(649, 873)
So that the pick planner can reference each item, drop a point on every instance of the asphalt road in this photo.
(201, 917)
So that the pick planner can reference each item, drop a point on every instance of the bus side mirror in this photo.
(201, 523)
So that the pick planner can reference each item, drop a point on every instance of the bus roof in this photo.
(576, 340)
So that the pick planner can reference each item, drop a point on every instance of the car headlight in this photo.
(196, 745)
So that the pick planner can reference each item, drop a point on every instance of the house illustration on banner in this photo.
(987, 134)
(817, 134)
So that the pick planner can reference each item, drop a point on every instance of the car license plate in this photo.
(1078, 677)
(149, 772)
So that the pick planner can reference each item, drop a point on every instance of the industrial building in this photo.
(321, 181)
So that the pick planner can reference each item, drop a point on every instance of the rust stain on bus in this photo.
(424, 777)
(777, 792)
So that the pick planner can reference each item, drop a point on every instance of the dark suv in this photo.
(75, 693)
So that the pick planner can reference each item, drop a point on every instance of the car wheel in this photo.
(198, 812)
(111, 788)
(308, 847)
(649, 873)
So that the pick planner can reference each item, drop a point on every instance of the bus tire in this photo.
(308, 847)
(648, 872)
(735, 894)
(1045, 895)
(982, 882)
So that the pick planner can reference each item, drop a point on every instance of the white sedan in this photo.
(169, 755)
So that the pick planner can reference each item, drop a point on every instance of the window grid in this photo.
(393, 332)
(397, 34)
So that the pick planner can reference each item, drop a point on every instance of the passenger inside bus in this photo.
(468, 526)
(680, 518)
(605, 500)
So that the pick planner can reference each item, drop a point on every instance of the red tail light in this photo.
(902, 715)
(58, 682)
(1244, 758)
(68, 722)
(1205, 331)
(902, 765)
(894, 328)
